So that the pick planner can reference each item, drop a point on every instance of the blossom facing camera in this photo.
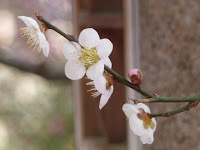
(141, 123)
(135, 76)
(89, 57)
(36, 37)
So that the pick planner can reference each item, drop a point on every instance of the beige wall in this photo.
(170, 52)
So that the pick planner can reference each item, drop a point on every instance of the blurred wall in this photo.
(170, 43)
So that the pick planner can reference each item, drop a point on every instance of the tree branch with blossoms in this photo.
(90, 55)
(151, 97)
(118, 77)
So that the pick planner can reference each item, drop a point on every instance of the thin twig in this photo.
(136, 101)
(177, 111)
(50, 26)
(176, 99)
(168, 99)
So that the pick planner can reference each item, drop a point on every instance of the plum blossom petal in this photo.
(77, 46)
(70, 51)
(107, 62)
(100, 84)
(74, 70)
(143, 106)
(46, 50)
(89, 38)
(129, 110)
(154, 121)
(105, 97)
(104, 48)
(147, 139)
(95, 70)
(42, 40)
(29, 21)
(136, 125)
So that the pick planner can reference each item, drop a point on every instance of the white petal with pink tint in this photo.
(95, 70)
(74, 70)
(107, 62)
(100, 84)
(46, 50)
(42, 39)
(147, 139)
(89, 38)
(70, 51)
(136, 125)
(129, 110)
(104, 48)
(143, 106)
(105, 97)
(29, 21)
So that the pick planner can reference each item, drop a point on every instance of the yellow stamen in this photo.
(33, 40)
(89, 57)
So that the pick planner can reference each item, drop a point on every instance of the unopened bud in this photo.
(135, 76)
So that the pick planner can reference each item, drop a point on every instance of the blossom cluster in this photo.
(88, 57)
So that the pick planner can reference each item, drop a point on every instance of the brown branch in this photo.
(49, 69)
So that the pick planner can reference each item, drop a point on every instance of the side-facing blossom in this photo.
(36, 37)
(89, 57)
(103, 86)
(140, 122)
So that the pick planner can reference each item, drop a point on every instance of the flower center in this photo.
(89, 57)
(147, 120)
(33, 40)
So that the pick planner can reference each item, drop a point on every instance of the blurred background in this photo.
(35, 95)
(161, 38)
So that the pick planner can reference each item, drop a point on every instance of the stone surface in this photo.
(170, 52)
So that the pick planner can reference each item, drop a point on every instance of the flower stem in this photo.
(168, 99)
(177, 111)
(50, 26)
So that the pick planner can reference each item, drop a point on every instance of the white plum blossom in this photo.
(103, 86)
(89, 57)
(36, 37)
(140, 122)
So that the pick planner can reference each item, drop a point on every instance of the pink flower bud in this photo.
(135, 76)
